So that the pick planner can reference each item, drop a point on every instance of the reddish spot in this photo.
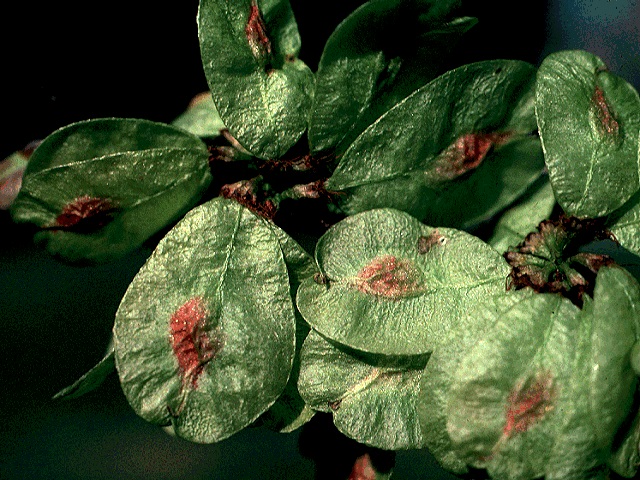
(85, 214)
(528, 403)
(607, 124)
(363, 469)
(30, 148)
(435, 238)
(245, 193)
(191, 344)
(256, 32)
(9, 188)
(389, 277)
(467, 153)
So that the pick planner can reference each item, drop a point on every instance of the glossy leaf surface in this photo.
(205, 334)
(300, 264)
(466, 153)
(439, 375)
(520, 359)
(394, 286)
(201, 118)
(260, 88)
(625, 458)
(604, 383)
(100, 188)
(357, 390)
(290, 411)
(589, 120)
(615, 324)
(624, 223)
(376, 57)
(523, 218)
(545, 389)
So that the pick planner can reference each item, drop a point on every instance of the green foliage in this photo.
(475, 158)
(514, 224)
(439, 375)
(376, 57)
(625, 223)
(357, 387)
(525, 379)
(625, 456)
(217, 287)
(100, 188)
(261, 89)
(201, 118)
(396, 295)
(589, 120)
(545, 387)
(498, 336)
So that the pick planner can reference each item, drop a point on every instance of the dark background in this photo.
(69, 61)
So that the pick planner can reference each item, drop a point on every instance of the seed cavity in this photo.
(466, 154)
(256, 33)
(390, 277)
(85, 214)
(529, 402)
(434, 239)
(194, 343)
(605, 121)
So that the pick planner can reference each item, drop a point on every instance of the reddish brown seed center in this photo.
(467, 153)
(528, 403)
(256, 33)
(389, 277)
(191, 344)
(363, 469)
(607, 125)
(86, 213)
